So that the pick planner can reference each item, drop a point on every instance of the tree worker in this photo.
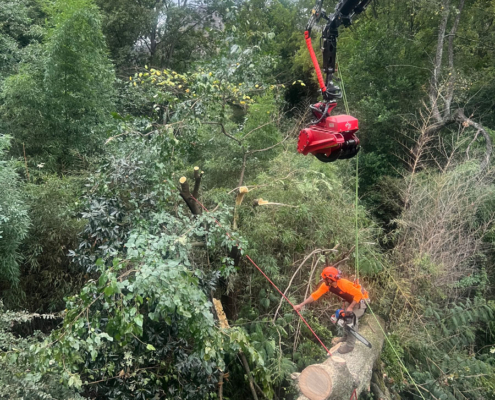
(350, 293)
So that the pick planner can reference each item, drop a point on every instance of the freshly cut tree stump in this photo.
(338, 376)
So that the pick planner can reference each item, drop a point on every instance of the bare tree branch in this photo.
(224, 131)
(451, 82)
(437, 65)
(249, 152)
(469, 145)
(317, 251)
(489, 146)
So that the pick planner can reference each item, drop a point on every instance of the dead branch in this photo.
(470, 144)
(224, 131)
(438, 93)
(480, 129)
(317, 251)
(251, 152)
(249, 375)
(437, 65)
(308, 288)
(258, 127)
(451, 82)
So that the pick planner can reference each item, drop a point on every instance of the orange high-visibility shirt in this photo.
(345, 289)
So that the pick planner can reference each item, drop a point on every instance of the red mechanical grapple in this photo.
(330, 138)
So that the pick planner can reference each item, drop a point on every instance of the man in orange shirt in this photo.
(349, 293)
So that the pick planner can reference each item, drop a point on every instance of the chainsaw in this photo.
(330, 138)
(347, 320)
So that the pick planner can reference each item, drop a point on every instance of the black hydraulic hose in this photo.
(327, 106)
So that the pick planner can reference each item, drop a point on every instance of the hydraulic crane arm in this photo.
(330, 138)
(345, 11)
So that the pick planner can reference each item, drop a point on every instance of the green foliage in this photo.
(163, 34)
(17, 377)
(58, 103)
(14, 220)
(267, 339)
(391, 349)
(316, 214)
(123, 191)
(213, 85)
(452, 367)
(46, 276)
(150, 314)
(18, 29)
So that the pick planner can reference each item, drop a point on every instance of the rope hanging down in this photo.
(346, 105)
(269, 280)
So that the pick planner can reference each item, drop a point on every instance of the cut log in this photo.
(338, 376)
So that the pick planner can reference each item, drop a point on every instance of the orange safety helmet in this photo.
(331, 273)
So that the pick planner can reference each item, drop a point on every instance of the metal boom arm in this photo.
(345, 11)
(330, 138)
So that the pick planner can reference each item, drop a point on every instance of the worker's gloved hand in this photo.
(343, 318)
(349, 318)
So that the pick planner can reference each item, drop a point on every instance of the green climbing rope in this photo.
(346, 105)
(357, 224)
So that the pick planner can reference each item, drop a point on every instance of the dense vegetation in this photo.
(107, 276)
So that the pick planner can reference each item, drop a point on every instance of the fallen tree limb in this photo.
(317, 251)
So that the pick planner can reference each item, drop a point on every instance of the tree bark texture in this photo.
(185, 192)
(442, 97)
(338, 376)
(248, 373)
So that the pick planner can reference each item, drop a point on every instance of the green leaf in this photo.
(138, 319)
(150, 347)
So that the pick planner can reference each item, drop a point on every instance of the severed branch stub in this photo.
(186, 194)
(240, 196)
(197, 181)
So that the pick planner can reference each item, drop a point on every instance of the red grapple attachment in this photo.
(331, 138)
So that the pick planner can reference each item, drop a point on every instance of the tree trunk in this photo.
(186, 194)
(338, 376)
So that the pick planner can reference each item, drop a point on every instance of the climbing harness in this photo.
(330, 138)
